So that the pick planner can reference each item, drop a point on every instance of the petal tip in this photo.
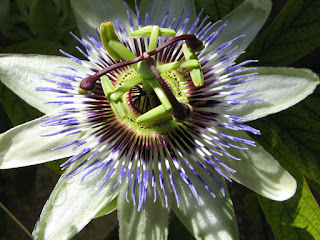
(287, 189)
(264, 5)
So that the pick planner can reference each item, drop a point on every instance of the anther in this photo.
(195, 44)
(196, 73)
(107, 34)
(182, 112)
(112, 43)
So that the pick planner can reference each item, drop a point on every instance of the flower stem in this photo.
(15, 220)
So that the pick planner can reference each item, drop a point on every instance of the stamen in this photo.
(112, 43)
(196, 73)
(117, 106)
(107, 34)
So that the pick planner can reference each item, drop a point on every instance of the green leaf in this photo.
(35, 46)
(216, 10)
(4, 10)
(5, 123)
(43, 18)
(114, 235)
(17, 110)
(295, 219)
(299, 129)
(311, 106)
(298, 217)
(45, 47)
(159, 8)
(177, 230)
(293, 34)
(25, 182)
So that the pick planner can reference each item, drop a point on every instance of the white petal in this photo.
(215, 218)
(73, 204)
(150, 223)
(159, 8)
(24, 73)
(91, 13)
(259, 171)
(278, 88)
(247, 19)
(23, 145)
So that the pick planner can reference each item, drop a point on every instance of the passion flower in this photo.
(152, 121)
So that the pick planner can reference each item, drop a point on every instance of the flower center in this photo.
(152, 95)
(141, 98)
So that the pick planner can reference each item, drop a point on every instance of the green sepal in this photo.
(59, 219)
(148, 223)
(279, 89)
